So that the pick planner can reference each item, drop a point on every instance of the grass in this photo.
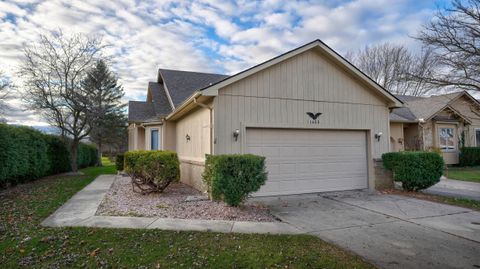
(471, 174)
(24, 243)
(462, 202)
(106, 162)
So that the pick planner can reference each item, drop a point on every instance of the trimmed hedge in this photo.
(416, 170)
(22, 154)
(470, 156)
(152, 170)
(86, 155)
(119, 161)
(27, 154)
(59, 157)
(233, 177)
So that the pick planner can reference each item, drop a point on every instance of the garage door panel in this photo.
(302, 161)
(323, 152)
(316, 176)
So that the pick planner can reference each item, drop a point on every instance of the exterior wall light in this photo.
(378, 135)
(236, 133)
(187, 137)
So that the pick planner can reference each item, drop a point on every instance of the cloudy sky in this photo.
(218, 36)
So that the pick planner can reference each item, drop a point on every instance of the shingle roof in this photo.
(427, 107)
(140, 111)
(159, 99)
(182, 84)
(421, 107)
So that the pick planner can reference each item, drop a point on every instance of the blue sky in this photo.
(219, 36)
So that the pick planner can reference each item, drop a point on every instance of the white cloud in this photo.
(145, 35)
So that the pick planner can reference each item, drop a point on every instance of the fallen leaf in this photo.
(95, 252)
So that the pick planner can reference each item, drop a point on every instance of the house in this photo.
(320, 122)
(442, 122)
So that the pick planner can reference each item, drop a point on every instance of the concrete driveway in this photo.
(388, 230)
(456, 188)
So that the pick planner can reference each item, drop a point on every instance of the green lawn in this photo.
(106, 162)
(464, 173)
(24, 243)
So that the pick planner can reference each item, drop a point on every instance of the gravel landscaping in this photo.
(177, 201)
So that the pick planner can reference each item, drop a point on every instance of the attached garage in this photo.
(321, 124)
(308, 161)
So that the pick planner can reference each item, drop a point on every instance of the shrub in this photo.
(233, 177)
(470, 156)
(27, 154)
(119, 160)
(86, 155)
(23, 154)
(416, 170)
(58, 155)
(153, 170)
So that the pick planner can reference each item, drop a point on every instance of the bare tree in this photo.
(52, 71)
(393, 67)
(4, 92)
(454, 38)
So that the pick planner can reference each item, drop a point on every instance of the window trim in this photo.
(475, 130)
(158, 138)
(454, 149)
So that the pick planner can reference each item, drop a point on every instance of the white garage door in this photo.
(306, 161)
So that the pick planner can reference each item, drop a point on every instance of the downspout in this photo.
(211, 121)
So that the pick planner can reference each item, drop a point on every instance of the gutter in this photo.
(184, 105)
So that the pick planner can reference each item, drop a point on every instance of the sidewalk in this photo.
(80, 210)
(456, 188)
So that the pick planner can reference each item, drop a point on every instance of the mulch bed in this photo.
(177, 201)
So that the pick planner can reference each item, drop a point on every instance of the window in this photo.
(477, 137)
(447, 139)
(154, 139)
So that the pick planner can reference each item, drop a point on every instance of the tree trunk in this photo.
(73, 155)
(99, 152)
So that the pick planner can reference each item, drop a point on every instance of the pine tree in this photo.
(107, 113)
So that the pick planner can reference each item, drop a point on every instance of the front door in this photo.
(447, 142)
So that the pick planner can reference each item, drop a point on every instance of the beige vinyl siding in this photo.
(396, 137)
(196, 125)
(280, 96)
(169, 135)
(136, 137)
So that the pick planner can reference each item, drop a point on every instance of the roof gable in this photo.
(428, 107)
(182, 84)
(212, 90)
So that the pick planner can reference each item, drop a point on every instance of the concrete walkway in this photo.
(456, 188)
(389, 231)
(80, 211)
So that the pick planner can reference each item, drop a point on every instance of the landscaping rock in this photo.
(195, 198)
(177, 201)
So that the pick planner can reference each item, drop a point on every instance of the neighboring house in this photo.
(320, 122)
(442, 122)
